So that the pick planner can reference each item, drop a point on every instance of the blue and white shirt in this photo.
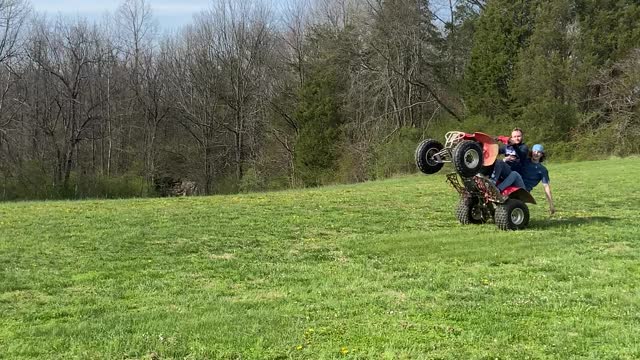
(521, 153)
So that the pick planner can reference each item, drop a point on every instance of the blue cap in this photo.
(538, 147)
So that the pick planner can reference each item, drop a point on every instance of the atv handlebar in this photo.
(503, 139)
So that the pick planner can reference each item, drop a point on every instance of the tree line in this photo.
(252, 97)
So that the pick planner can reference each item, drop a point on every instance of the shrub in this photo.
(396, 155)
(251, 181)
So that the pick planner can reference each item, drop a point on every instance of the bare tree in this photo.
(618, 103)
(296, 19)
(65, 52)
(13, 14)
(136, 33)
(289, 74)
(194, 79)
(137, 36)
(110, 86)
(337, 13)
(243, 41)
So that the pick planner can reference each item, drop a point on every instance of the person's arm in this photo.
(547, 193)
(501, 149)
(523, 153)
(547, 190)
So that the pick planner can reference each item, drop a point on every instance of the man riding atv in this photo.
(474, 159)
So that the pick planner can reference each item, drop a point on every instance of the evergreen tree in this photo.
(320, 119)
(319, 113)
(459, 34)
(503, 30)
(607, 31)
(541, 88)
(607, 75)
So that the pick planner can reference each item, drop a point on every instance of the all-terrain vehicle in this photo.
(473, 156)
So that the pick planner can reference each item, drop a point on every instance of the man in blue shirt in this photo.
(533, 172)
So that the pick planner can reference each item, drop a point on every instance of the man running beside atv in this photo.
(522, 168)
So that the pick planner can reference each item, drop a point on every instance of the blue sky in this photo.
(170, 14)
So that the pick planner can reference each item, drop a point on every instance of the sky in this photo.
(170, 14)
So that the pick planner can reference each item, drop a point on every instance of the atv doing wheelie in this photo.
(472, 156)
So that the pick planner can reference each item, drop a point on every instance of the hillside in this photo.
(375, 270)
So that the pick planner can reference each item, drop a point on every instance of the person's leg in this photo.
(495, 174)
(511, 180)
(518, 181)
(500, 171)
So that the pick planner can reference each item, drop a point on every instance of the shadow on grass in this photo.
(569, 221)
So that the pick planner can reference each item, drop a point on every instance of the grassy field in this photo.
(378, 270)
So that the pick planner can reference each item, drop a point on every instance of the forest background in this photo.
(249, 97)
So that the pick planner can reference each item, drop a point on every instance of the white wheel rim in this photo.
(428, 156)
(471, 159)
(517, 216)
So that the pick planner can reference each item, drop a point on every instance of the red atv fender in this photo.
(503, 139)
(521, 194)
(489, 146)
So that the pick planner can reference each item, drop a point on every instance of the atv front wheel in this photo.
(512, 215)
(467, 158)
(424, 156)
(469, 211)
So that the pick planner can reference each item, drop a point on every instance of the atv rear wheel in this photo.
(469, 211)
(424, 156)
(467, 158)
(512, 215)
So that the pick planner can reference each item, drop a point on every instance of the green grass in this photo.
(376, 270)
